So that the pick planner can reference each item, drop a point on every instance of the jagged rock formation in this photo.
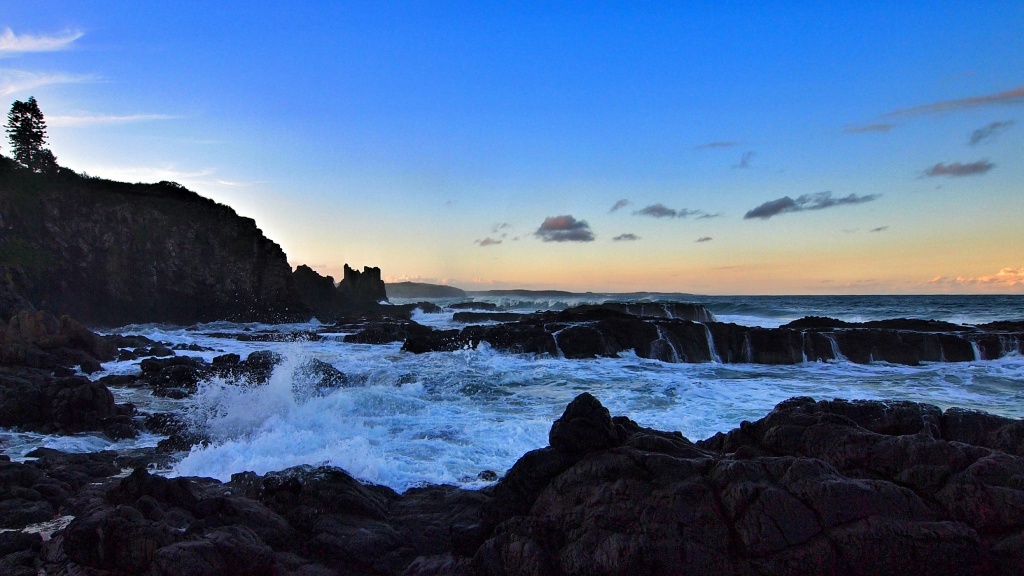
(358, 292)
(831, 487)
(364, 287)
(111, 253)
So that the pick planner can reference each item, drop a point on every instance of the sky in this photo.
(700, 147)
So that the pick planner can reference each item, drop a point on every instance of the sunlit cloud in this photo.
(11, 43)
(619, 205)
(628, 237)
(989, 132)
(745, 160)
(487, 242)
(869, 128)
(704, 239)
(564, 228)
(14, 81)
(957, 169)
(1012, 96)
(817, 201)
(103, 119)
(717, 144)
(1007, 277)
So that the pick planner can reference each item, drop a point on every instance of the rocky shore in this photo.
(826, 487)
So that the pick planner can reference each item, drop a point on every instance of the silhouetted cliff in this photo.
(111, 253)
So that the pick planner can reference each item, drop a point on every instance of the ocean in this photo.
(446, 417)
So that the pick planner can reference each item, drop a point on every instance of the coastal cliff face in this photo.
(110, 253)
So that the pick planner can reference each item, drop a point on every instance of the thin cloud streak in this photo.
(869, 128)
(629, 237)
(1012, 96)
(103, 119)
(619, 205)
(956, 169)
(564, 228)
(488, 242)
(745, 160)
(879, 229)
(704, 239)
(11, 43)
(13, 81)
(720, 144)
(989, 132)
(804, 202)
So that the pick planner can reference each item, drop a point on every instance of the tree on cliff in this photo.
(26, 130)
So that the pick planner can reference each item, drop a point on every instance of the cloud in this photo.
(989, 132)
(817, 201)
(1012, 96)
(487, 242)
(958, 169)
(1008, 277)
(718, 144)
(868, 128)
(879, 229)
(625, 238)
(658, 210)
(11, 43)
(618, 205)
(103, 119)
(745, 160)
(564, 228)
(13, 81)
(704, 239)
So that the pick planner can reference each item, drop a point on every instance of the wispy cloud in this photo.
(659, 210)
(745, 160)
(989, 132)
(957, 169)
(619, 205)
(1007, 277)
(152, 174)
(564, 228)
(869, 128)
(487, 242)
(628, 237)
(817, 201)
(103, 119)
(13, 81)
(11, 43)
(704, 239)
(879, 229)
(1012, 96)
(717, 144)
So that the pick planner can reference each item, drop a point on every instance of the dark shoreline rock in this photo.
(826, 487)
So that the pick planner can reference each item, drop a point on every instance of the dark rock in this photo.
(473, 306)
(476, 317)
(112, 254)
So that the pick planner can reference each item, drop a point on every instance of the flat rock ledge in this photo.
(815, 487)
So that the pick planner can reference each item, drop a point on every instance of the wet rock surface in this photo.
(814, 487)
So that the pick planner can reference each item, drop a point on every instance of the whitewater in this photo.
(405, 420)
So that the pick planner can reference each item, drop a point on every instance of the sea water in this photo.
(405, 420)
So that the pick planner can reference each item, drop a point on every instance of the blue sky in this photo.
(729, 147)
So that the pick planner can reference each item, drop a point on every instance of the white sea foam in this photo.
(407, 419)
